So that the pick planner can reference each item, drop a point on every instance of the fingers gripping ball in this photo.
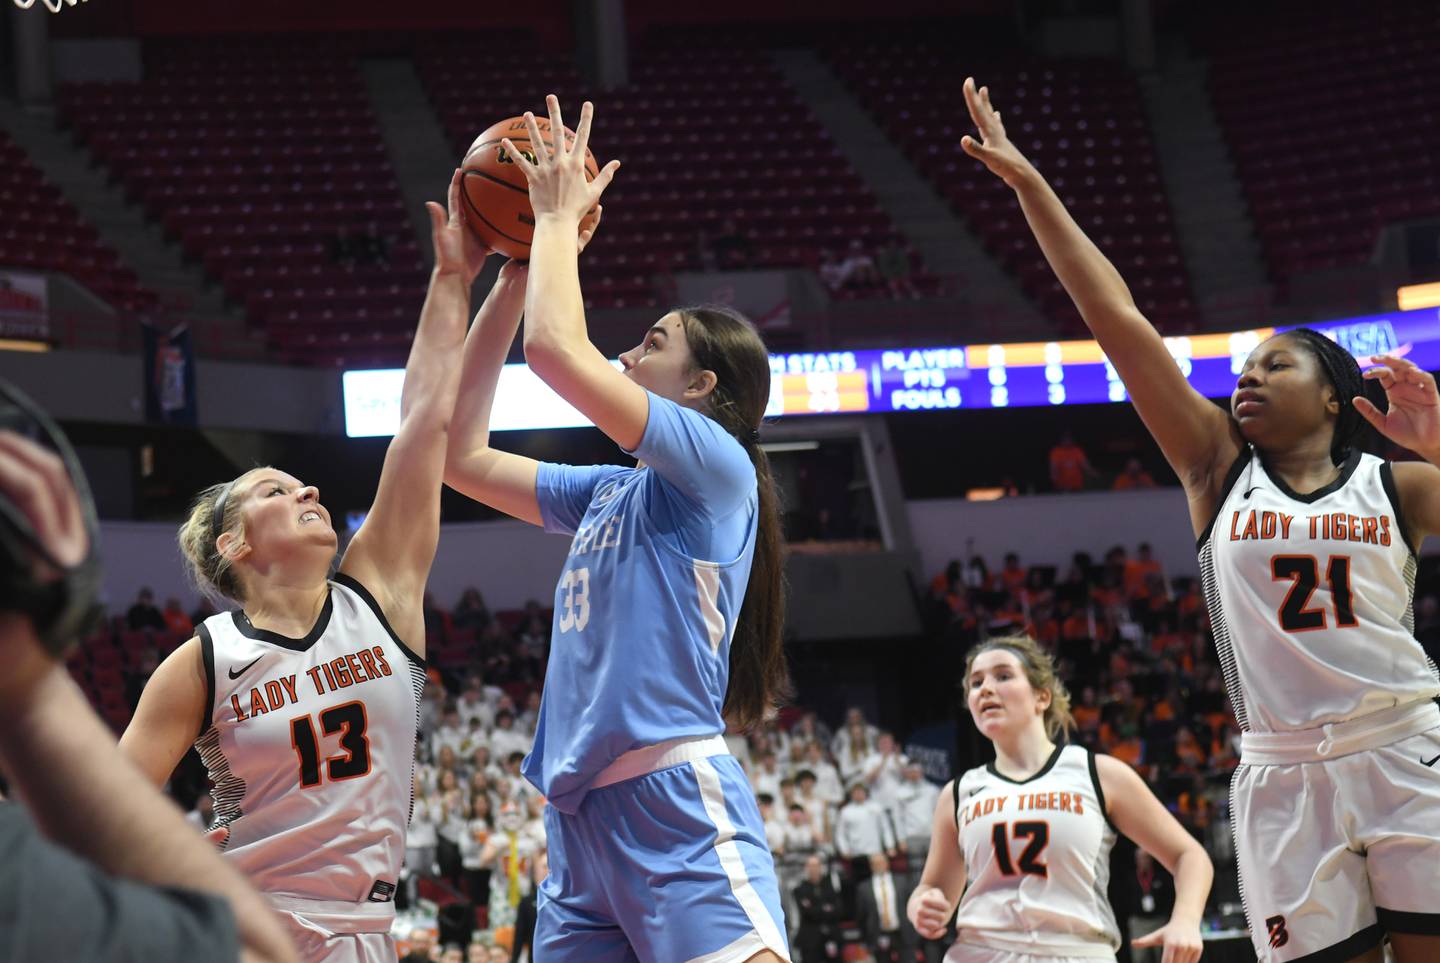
(496, 196)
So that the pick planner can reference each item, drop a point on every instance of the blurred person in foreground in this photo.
(108, 869)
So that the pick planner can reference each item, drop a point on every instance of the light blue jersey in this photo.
(648, 600)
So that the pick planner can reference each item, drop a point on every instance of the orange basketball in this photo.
(497, 198)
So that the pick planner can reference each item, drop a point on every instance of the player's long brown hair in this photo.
(1040, 670)
(726, 343)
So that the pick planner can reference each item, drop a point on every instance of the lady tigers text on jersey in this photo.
(1037, 859)
(310, 743)
(348, 670)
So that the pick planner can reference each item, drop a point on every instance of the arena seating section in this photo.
(1080, 121)
(1332, 120)
(705, 134)
(41, 230)
(255, 155)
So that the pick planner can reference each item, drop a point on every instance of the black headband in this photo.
(217, 517)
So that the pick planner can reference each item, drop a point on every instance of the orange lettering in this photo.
(380, 658)
(1267, 525)
(1372, 524)
(342, 674)
(356, 669)
(240, 714)
(257, 703)
(274, 695)
(1250, 528)
(367, 659)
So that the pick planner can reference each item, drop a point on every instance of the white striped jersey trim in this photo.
(712, 794)
(707, 586)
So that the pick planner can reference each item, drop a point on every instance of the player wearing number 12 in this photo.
(303, 702)
(1308, 557)
(667, 614)
(1027, 838)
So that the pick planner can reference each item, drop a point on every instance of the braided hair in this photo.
(1343, 372)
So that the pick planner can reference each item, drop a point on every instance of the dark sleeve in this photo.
(55, 906)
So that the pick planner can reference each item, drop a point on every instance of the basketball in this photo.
(496, 195)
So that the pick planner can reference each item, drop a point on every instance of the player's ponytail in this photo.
(209, 570)
(1040, 671)
(726, 343)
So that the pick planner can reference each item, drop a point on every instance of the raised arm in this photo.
(933, 902)
(500, 479)
(1199, 439)
(1135, 812)
(557, 345)
(392, 553)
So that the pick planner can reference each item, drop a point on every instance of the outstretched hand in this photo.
(1179, 942)
(1414, 416)
(457, 248)
(558, 184)
(994, 149)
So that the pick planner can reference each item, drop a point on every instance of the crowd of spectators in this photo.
(846, 813)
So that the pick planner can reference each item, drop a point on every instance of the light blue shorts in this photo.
(667, 867)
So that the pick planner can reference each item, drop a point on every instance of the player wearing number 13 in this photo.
(667, 615)
(1308, 556)
(304, 701)
(1027, 838)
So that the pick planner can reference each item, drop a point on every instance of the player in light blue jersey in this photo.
(667, 614)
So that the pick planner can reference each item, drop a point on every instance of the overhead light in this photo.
(1414, 296)
(773, 446)
(11, 344)
(984, 494)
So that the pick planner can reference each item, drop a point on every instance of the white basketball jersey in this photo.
(311, 746)
(1037, 860)
(1310, 597)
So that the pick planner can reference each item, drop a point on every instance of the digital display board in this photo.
(927, 379)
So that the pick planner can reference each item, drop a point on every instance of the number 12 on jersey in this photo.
(1029, 862)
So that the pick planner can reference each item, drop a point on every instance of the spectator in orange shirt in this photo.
(1134, 476)
(1087, 712)
(1138, 571)
(176, 620)
(1129, 747)
(1069, 468)
(1012, 576)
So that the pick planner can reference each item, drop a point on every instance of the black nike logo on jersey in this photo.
(1431, 762)
(1252, 491)
(237, 673)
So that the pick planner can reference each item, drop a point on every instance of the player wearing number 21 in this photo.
(302, 701)
(1308, 556)
(667, 614)
(1027, 838)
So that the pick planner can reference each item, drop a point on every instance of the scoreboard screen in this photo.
(927, 379)
(1050, 373)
